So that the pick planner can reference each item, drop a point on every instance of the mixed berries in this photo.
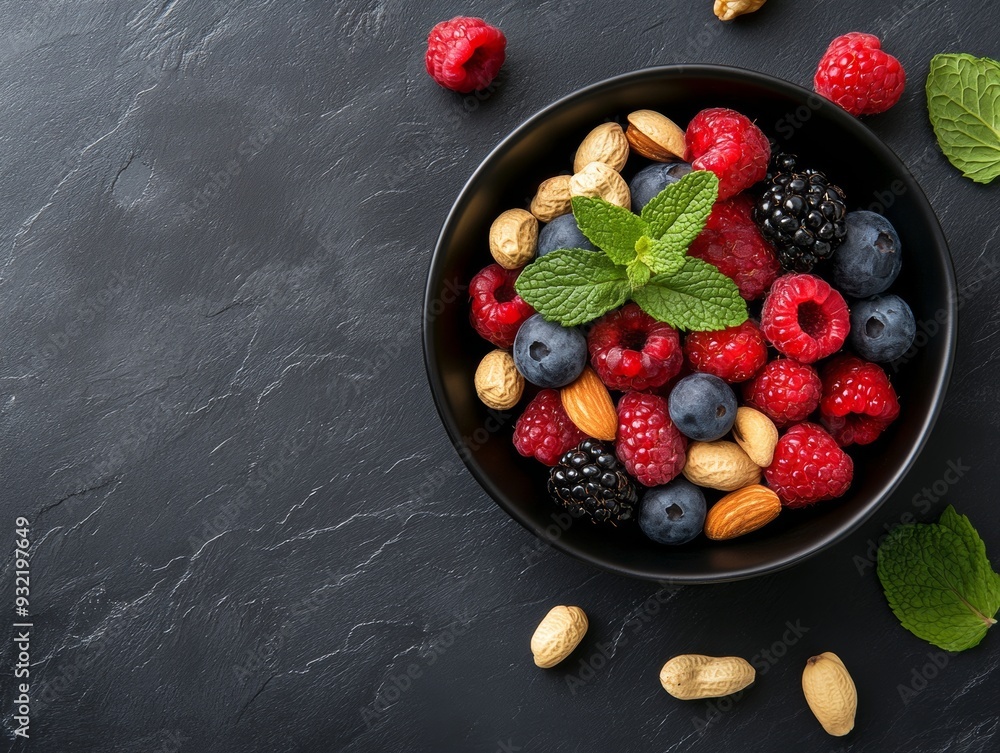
(807, 366)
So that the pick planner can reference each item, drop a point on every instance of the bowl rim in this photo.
(942, 372)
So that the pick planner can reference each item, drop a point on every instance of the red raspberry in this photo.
(544, 431)
(733, 354)
(808, 466)
(630, 350)
(733, 244)
(497, 311)
(465, 54)
(786, 390)
(858, 400)
(805, 318)
(858, 75)
(728, 144)
(650, 446)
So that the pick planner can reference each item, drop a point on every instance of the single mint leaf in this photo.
(963, 101)
(638, 273)
(939, 581)
(678, 213)
(572, 285)
(613, 229)
(662, 257)
(697, 297)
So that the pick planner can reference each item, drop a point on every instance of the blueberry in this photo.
(868, 260)
(882, 328)
(562, 232)
(651, 180)
(673, 514)
(702, 407)
(548, 354)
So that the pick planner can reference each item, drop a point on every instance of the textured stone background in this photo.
(215, 223)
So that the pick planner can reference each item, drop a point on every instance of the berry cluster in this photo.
(808, 366)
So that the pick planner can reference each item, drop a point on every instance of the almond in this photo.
(756, 434)
(514, 238)
(720, 465)
(655, 136)
(607, 144)
(588, 403)
(598, 179)
(552, 199)
(741, 512)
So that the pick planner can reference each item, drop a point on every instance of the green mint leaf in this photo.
(678, 213)
(939, 581)
(638, 273)
(661, 257)
(697, 297)
(963, 101)
(613, 229)
(573, 285)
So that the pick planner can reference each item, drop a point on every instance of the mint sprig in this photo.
(642, 257)
(939, 581)
(963, 102)
(570, 284)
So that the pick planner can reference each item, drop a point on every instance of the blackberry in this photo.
(801, 213)
(590, 482)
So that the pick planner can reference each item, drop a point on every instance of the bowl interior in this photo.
(824, 137)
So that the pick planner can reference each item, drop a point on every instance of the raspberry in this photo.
(497, 311)
(649, 444)
(733, 354)
(733, 244)
(804, 318)
(858, 401)
(808, 466)
(630, 350)
(728, 144)
(786, 390)
(544, 431)
(858, 75)
(465, 54)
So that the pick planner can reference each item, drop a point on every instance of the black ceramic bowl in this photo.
(824, 136)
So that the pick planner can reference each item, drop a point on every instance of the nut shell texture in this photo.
(607, 144)
(597, 179)
(514, 238)
(830, 693)
(756, 434)
(694, 676)
(720, 465)
(498, 382)
(552, 199)
(559, 632)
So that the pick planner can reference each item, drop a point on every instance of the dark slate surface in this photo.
(251, 531)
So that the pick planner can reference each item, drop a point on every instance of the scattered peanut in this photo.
(693, 676)
(559, 632)
(727, 10)
(830, 693)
